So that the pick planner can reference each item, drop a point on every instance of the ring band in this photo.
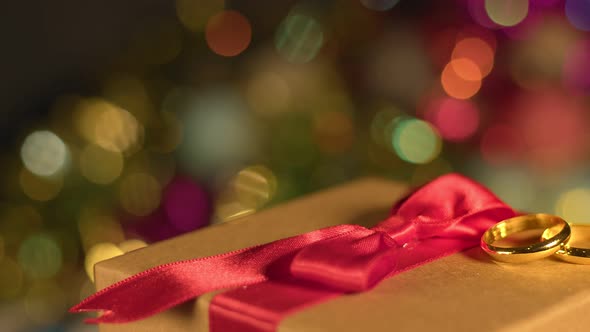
(557, 230)
(572, 254)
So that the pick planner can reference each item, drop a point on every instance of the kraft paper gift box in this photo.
(466, 291)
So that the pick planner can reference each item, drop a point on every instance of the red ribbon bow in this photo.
(269, 282)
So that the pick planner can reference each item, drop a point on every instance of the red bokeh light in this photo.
(228, 33)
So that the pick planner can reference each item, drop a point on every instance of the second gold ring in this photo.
(557, 232)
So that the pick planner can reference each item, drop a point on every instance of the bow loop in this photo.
(448, 207)
(351, 262)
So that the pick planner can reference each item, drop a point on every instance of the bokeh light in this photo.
(476, 31)
(108, 126)
(456, 120)
(249, 190)
(268, 93)
(572, 205)
(158, 121)
(218, 131)
(228, 207)
(415, 141)
(476, 50)
(131, 244)
(187, 205)
(139, 194)
(98, 253)
(461, 78)
(383, 124)
(477, 10)
(578, 13)
(45, 302)
(540, 60)
(44, 153)
(99, 165)
(299, 38)
(194, 14)
(254, 186)
(97, 226)
(39, 188)
(576, 69)
(379, 5)
(11, 278)
(228, 33)
(557, 113)
(40, 256)
(129, 93)
(507, 12)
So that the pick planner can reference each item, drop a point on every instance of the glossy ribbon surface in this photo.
(271, 281)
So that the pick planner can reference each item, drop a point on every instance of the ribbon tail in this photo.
(166, 286)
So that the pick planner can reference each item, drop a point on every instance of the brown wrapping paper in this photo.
(463, 292)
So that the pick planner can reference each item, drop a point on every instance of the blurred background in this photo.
(129, 122)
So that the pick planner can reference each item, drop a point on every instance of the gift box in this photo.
(466, 291)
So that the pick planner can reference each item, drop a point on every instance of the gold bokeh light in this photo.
(39, 188)
(139, 194)
(99, 165)
(98, 253)
(108, 126)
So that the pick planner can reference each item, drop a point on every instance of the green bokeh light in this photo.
(40, 256)
(415, 141)
(299, 38)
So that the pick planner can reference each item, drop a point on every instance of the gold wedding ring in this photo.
(557, 232)
(569, 253)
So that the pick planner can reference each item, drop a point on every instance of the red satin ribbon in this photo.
(272, 281)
